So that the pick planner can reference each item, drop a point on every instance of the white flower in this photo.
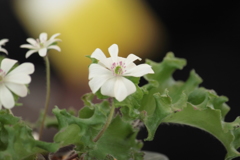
(13, 80)
(2, 43)
(109, 73)
(41, 45)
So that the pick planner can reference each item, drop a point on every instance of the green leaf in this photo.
(163, 71)
(86, 112)
(130, 106)
(84, 128)
(94, 60)
(169, 101)
(87, 99)
(50, 121)
(100, 96)
(162, 110)
(209, 120)
(17, 141)
(119, 141)
(162, 79)
(69, 135)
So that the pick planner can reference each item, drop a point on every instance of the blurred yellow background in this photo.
(89, 24)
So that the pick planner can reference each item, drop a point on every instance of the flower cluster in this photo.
(14, 79)
(109, 74)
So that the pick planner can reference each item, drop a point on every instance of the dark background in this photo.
(207, 35)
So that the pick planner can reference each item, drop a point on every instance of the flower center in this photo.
(39, 43)
(118, 68)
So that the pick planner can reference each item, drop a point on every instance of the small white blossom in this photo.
(35, 135)
(13, 81)
(2, 43)
(108, 74)
(41, 45)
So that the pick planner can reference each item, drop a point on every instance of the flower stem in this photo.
(109, 119)
(10, 111)
(47, 95)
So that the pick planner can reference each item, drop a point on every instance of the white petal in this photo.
(99, 55)
(98, 70)
(139, 70)
(6, 97)
(28, 46)
(32, 41)
(123, 88)
(3, 41)
(107, 88)
(130, 58)
(54, 36)
(30, 52)
(118, 87)
(18, 78)
(24, 68)
(55, 47)
(113, 51)
(42, 52)
(50, 42)
(0, 105)
(96, 82)
(3, 50)
(18, 89)
(7, 64)
(43, 37)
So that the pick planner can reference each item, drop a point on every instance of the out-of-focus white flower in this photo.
(35, 135)
(13, 81)
(109, 73)
(2, 43)
(41, 45)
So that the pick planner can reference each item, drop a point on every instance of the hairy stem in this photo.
(47, 95)
(109, 119)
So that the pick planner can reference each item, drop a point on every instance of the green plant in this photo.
(108, 129)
